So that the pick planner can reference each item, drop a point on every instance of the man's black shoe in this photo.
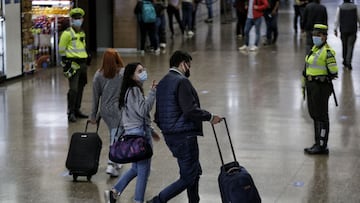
(316, 149)
(72, 118)
(209, 20)
(152, 200)
(267, 43)
(79, 114)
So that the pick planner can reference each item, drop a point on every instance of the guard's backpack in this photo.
(148, 12)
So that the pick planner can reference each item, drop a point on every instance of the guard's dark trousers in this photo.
(318, 94)
(76, 88)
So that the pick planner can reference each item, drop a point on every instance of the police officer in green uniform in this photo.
(72, 49)
(320, 70)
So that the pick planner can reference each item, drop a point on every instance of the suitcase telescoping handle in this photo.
(97, 124)
(218, 145)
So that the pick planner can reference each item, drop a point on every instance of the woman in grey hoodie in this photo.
(106, 90)
(136, 120)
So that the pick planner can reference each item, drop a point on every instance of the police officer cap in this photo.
(77, 13)
(320, 28)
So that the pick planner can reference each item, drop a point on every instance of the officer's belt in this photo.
(78, 60)
(318, 78)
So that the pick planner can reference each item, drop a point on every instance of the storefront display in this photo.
(2, 48)
(41, 28)
(27, 37)
(2, 43)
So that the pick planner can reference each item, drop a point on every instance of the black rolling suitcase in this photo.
(84, 153)
(235, 183)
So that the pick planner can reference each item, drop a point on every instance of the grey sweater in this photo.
(137, 107)
(106, 94)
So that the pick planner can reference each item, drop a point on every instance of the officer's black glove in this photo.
(333, 76)
(65, 63)
(304, 73)
(64, 59)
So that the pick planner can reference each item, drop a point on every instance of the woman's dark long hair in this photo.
(128, 82)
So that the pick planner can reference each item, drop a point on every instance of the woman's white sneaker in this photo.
(253, 48)
(112, 171)
(243, 48)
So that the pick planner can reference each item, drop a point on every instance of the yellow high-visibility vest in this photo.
(319, 60)
(72, 44)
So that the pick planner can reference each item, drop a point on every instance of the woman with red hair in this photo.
(106, 90)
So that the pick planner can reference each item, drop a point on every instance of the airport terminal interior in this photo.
(258, 92)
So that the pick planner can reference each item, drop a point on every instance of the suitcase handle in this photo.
(218, 145)
(97, 124)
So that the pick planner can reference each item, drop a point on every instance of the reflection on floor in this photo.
(259, 93)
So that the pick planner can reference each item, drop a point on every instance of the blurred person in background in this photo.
(271, 19)
(255, 10)
(348, 19)
(241, 12)
(299, 6)
(314, 13)
(173, 9)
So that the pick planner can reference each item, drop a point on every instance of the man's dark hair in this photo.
(178, 57)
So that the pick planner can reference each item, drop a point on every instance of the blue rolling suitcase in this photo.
(235, 183)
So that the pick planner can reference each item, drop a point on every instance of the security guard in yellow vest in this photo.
(320, 70)
(72, 49)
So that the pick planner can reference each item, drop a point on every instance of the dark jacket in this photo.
(160, 7)
(314, 13)
(348, 18)
(272, 4)
(178, 109)
(239, 5)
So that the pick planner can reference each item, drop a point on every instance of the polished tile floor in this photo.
(259, 93)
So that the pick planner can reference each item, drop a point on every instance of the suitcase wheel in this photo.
(88, 178)
(75, 177)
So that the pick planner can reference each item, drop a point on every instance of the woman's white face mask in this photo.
(142, 76)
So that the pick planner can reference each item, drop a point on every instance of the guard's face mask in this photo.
(317, 40)
(77, 22)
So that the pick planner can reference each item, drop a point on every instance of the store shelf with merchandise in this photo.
(49, 19)
(27, 38)
(41, 23)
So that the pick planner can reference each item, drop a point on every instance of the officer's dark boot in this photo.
(316, 137)
(321, 138)
(324, 135)
(79, 114)
(71, 117)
